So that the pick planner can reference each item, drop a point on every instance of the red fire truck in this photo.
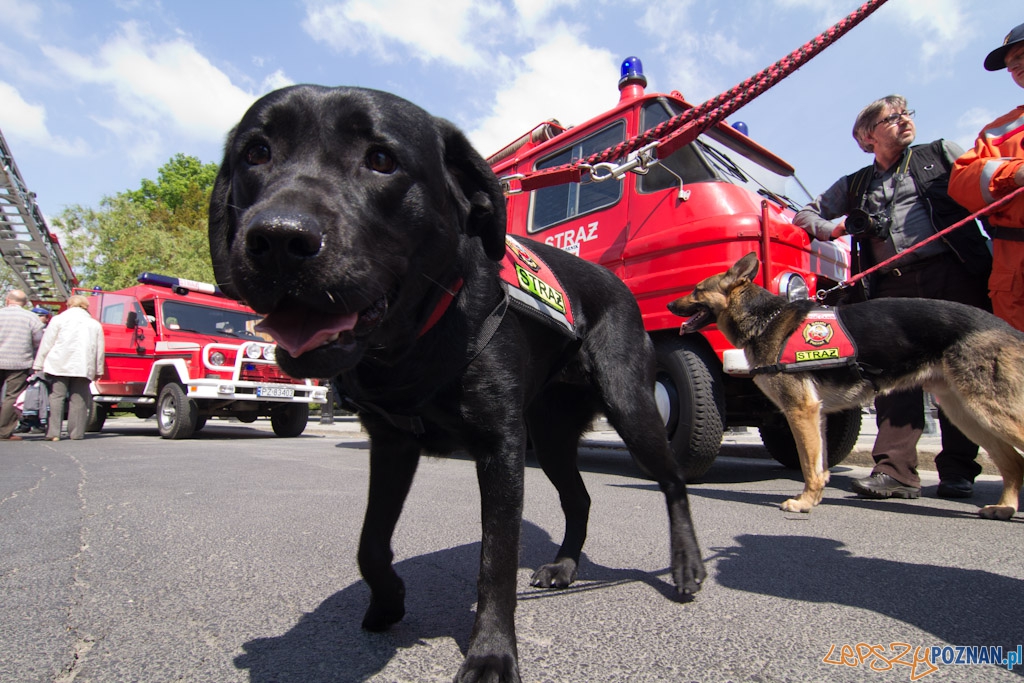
(690, 215)
(181, 351)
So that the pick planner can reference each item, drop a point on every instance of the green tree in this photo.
(160, 227)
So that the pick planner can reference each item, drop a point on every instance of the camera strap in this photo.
(860, 182)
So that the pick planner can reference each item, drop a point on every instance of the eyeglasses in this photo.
(893, 119)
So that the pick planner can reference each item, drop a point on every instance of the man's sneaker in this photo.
(955, 487)
(883, 486)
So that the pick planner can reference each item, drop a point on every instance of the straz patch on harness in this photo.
(540, 289)
(819, 341)
(533, 287)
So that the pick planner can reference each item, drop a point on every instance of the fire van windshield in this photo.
(210, 321)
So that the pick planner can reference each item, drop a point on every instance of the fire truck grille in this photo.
(264, 373)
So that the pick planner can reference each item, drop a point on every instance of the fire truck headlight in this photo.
(793, 287)
(253, 351)
(217, 358)
(269, 353)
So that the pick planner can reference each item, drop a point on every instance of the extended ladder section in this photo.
(32, 253)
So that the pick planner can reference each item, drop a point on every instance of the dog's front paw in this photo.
(493, 668)
(689, 575)
(381, 614)
(1003, 512)
(558, 574)
(797, 505)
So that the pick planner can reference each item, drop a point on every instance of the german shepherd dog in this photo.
(370, 233)
(972, 362)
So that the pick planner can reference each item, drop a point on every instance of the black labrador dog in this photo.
(371, 234)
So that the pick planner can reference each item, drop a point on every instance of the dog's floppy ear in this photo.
(473, 178)
(221, 227)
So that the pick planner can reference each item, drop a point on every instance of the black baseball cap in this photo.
(996, 59)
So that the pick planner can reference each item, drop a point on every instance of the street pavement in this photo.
(231, 557)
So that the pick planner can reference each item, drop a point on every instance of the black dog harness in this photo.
(530, 287)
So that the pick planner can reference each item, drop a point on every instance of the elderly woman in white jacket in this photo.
(71, 354)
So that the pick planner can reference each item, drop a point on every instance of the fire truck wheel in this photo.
(176, 413)
(841, 432)
(691, 401)
(97, 416)
(290, 420)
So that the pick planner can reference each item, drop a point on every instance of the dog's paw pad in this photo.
(1001, 512)
(378, 618)
(558, 575)
(796, 505)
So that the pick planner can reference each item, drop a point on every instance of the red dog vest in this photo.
(534, 289)
(820, 341)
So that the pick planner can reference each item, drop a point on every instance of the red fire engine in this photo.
(179, 350)
(665, 228)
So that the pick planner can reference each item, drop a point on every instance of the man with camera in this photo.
(889, 207)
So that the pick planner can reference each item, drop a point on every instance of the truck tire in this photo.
(290, 420)
(97, 416)
(841, 432)
(688, 388)
(176, 413)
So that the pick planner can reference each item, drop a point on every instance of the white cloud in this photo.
(159, 83)
(20, 119)
(562, 78)
(449, 32)
(532, 12)
(694, 50)
(21, 18)
(940, 26)
(935, 30)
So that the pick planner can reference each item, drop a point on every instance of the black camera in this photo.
(860, 222)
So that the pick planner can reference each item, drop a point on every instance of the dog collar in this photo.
(442, 306)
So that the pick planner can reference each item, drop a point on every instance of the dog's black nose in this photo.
(282, 241)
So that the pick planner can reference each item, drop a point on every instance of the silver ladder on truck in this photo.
(32, 253)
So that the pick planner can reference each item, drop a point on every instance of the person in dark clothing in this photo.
(889, 207)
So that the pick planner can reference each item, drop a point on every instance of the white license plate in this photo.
(275, 392)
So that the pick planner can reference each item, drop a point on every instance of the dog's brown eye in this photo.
(257, 154)
(381, 162)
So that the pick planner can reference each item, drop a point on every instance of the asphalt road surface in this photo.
(231, 557)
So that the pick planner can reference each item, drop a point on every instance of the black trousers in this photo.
(900, 415)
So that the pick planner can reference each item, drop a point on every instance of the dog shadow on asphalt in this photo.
(329, 646)
(958, 606)
(838, 494)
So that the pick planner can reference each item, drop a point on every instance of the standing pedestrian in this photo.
(20, 334)
(71, 354)
(994, 169)
(890, 207)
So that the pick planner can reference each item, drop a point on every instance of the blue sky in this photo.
(96, 95)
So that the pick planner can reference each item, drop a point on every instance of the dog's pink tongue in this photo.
(298, 331)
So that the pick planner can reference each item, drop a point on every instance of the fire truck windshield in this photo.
(210, 321)
(715, 155)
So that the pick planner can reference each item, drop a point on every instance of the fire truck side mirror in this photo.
(132, 321)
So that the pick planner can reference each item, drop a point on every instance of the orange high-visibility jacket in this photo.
(985, 173)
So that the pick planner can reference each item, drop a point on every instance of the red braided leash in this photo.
(684, 128)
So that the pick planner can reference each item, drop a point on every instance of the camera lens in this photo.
(858, 222)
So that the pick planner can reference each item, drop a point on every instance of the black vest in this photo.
(928, 166)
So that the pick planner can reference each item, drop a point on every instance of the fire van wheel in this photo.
(176, 413)
(97, 416)
(290, 420)
(841, 432)
(688, 389)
